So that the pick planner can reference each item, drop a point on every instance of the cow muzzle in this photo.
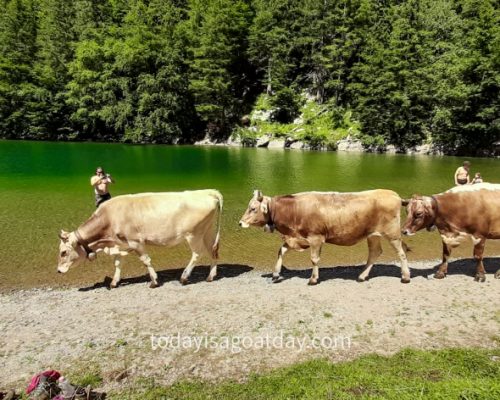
(243, 224)
(407, 232)
(62, 270)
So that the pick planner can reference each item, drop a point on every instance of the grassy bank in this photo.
(464, 374)
(317, 126)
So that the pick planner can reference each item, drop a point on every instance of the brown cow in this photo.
(465, 211)
(311, 219)
(128, 223)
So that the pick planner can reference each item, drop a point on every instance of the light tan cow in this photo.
(311, 219)
(130, 222)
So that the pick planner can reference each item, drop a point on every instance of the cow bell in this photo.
(269, 228)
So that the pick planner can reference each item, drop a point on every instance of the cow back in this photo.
(475, 211)
(341, 218)
(159, 218)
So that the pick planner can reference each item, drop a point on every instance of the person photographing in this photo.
(100, 182)
(462, 176)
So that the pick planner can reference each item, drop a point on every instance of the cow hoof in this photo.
(184, 281)
(360, 279)
(439, 275)
(210, 279)
(113, 285)
(153, 285)
(480, 278)
(405, 280)
(276, 279)
(497, 274)
(312, 282)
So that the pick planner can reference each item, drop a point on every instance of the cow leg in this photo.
(443, 268)
(189, 268)
(197, 248)
(209, 241)
(146, 260)
(116, 276)
(478, 256)
(213, 270)
(315, 256)
(374, 251)
(279, 262)
(397, 244)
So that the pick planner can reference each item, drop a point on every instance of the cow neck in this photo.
(270, 209)
(435, 203)
(88, 233)
(435, 208)
(82, 242)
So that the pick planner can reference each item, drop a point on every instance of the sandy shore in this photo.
(242, 323)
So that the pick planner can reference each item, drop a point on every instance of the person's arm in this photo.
(110, 178)
(95, 180)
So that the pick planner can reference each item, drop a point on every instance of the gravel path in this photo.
(241, 323)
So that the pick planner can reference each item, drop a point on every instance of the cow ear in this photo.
(405, 202)
(257, 194)
(263, 207)
(63, 235)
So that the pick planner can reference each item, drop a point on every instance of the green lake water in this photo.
(45, 187)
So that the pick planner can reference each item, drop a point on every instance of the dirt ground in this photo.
(241, 323)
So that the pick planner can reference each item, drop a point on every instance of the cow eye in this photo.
(253, 209)
(64, 253)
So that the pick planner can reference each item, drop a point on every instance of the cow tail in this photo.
(215, 247)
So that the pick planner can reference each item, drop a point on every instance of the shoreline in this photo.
(386, 267)
(343, 146)
(108, 331)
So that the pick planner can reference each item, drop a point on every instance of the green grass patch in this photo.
(319, 125)
(462, 374)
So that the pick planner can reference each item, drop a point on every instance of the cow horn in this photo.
(258, 195)
(63, 235)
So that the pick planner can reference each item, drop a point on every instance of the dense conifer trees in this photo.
(173, 70)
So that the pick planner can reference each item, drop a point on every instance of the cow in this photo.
(310, 219)
(469, 211)
(130, 222)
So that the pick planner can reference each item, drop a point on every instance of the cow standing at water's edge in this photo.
(311, 219)
(130, 222)
(470, 211)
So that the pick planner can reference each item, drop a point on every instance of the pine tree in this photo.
(271, 40)
(55, 41)
(388, 89)
(17, 52)
(216, 31)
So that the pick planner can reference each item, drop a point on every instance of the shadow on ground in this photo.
(459, 267)
(198, 274)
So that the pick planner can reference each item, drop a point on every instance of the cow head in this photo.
(257, 213)
(421, 214)
(70, 252)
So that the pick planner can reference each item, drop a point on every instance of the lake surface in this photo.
(45, 187)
